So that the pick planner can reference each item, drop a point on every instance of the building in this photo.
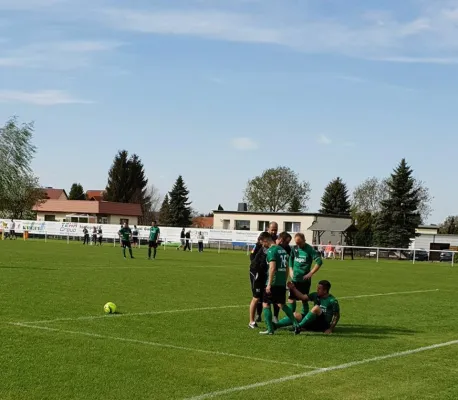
(55, 194)
(87, 211)
(317, 227)
(95, 195)
(202, 222)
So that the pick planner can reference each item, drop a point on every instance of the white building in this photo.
(289, 222)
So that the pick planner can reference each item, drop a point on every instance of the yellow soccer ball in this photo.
(109, 308)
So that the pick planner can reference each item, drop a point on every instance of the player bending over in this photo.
(324, 315)
(300, 266)
(125, 234)
(277, 274)
(154, 233)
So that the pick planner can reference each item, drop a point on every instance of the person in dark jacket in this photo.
(188, 241)
(85, 235)
(258, 276)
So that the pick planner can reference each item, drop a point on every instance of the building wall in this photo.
(427, 231)
(111, 219)
(424, 241)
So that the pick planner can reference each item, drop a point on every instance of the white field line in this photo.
(162, 345)
(212, 395)
(91, 317)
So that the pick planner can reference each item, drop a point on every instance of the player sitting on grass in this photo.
(300, 266)
(125, 234)
(277, 274)
(154, 233)
(324, 315)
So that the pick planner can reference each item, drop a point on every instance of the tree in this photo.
(449, 226)
(399, 215)
(164, 212)
(77, 192)
(368, 196)
(151, 206)
(295, 205)
(127, 183)
(19, 188)
(180, 210)
(220, 208)
(275, 189)
(365, 235)
(335, 199)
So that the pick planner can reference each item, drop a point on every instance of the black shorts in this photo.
(303, 287)
(153, 244)
(258, 285)
(12, 232)
(125, 243)
(277, 295)
(319, 325)
(135, 239)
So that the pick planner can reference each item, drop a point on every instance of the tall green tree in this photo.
(335, 199)
(19, 188)
(399, 215)
(77, 192)
(127, 183)
(164, 212)
(180, 210)
(449, 226)
(275, 189)
(295, 205)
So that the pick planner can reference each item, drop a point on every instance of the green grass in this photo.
(126, 357)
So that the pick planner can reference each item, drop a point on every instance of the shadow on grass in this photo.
(34, 268)
(372, 331)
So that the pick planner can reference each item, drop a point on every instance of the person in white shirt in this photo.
(12, 229)
(200, 240)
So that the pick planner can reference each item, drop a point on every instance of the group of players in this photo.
(277, 267)
(125, 234)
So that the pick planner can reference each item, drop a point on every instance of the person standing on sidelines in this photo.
(154, 234)
(12, 229)
(187, 246)
(135, 236)
(182, 240)
(94, 236)
(100, 235)
(200, 239)
(85, 235)
(258, 276)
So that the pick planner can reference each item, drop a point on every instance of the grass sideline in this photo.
(183, 330)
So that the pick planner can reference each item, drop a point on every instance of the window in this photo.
(50, 218)
(102, 220)
(263, 225)
(292, 227)
(242, 225)
(123, 221)
(226, 224)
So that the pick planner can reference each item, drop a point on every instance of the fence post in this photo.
(453, 258)
(114, 242)
(219, 246)
(46, 237)
(342, 250)
(378, 253)
(413, 259)
(68, 239)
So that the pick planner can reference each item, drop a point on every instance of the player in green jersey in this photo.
(325, 313)
(277, 275)
(154, 233)
(300, 266)
(125, 234)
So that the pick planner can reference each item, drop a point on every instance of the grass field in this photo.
(182, 332)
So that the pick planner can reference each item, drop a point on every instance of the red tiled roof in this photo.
(95, 194)
(90, 207)
(54, 194)
(202, 222)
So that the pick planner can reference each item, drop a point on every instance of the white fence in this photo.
(220, 239)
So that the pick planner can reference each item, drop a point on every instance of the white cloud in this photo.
(322, 139)
(40, 98)
(244, 144)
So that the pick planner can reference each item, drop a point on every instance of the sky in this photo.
(220, 90)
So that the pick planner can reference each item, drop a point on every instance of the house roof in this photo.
(333, 225)
(55, 194)
(89, 207)
(203, 222)
(95, 195)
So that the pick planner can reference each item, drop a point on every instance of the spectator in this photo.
(12, 229)
(200, 239)
(187, 241)
(329, 251)
(339, 250)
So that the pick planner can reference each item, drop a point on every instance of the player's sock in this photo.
(283, 322)
(276, 311)
(292, 306)
(124, 252)
(268, 319)
(290, 314)
(259, 311)
(155, 252)
(310, 317)
(149, 252)
(305, 308)
(130, 252)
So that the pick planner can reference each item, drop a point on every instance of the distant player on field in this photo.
(275, 292)
(154, 233)
(300, 266)
(125, 234)
(135, 236)
(324, 315)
